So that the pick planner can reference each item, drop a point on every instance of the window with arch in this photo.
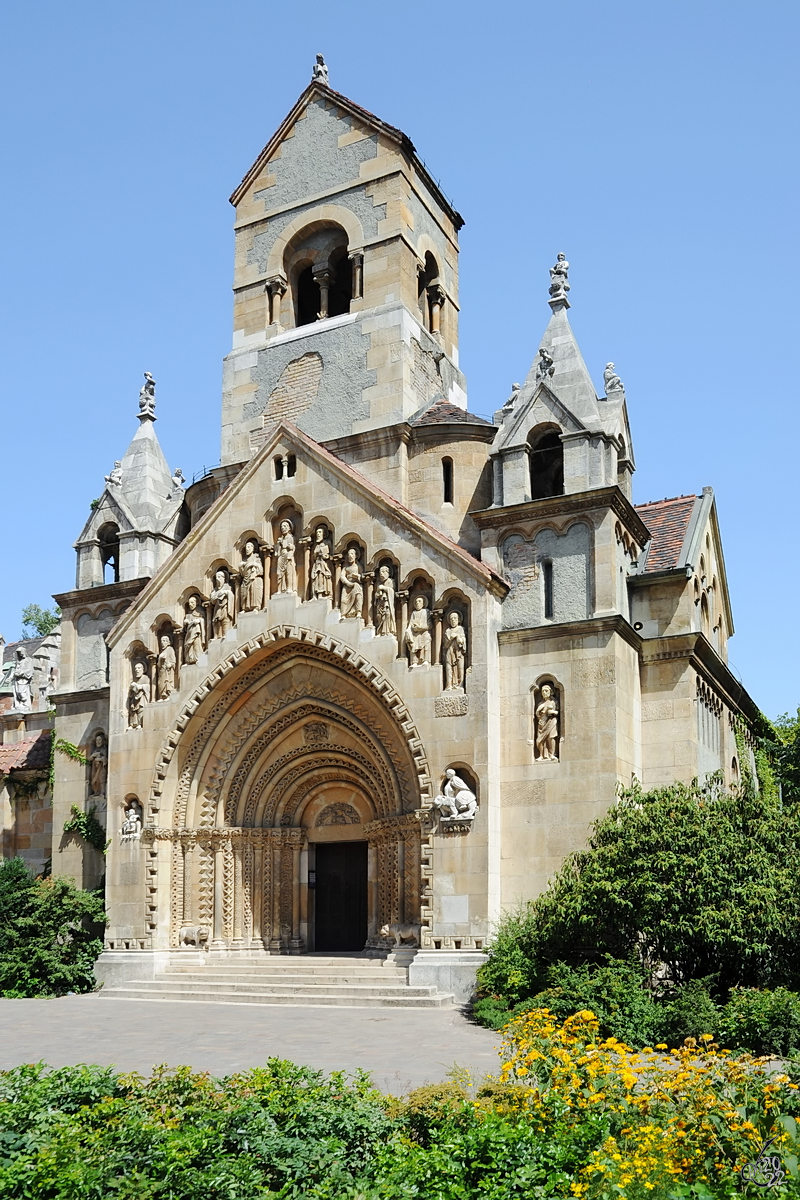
(320, 273)
(447, 480)
(428, 278)
(108, 538)
(546, 460)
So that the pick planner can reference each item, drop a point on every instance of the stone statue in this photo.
(417, 636)
(455, 653)
(251, 595)
(545, 366)
(352, 601)
(138, 696)
(321, 578)
(611, 379)
(385, 625)
(559, 278)
(22, 681)
(132, 825)
(547, 726)
(285, 565)
(512, 399)
(165, 671)
(98, 766)
(178, 482)
(456, 799)
(319, 73)
(115, 478)
(147, 396)
(194, 632)
(222, 599)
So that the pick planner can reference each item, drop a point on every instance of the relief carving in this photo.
(316, 731)
(132, 825)
(453, 705)
(456, 801)
(339, 814)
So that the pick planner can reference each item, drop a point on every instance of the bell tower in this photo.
(345, 287)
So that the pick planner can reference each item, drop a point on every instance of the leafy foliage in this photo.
(87, 826)
(38, 621)
(765, 1022)
(787, 755)
(69, 750)
(49, 934)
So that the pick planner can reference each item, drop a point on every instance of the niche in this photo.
(547, 718)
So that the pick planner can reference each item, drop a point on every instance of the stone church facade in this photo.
(387, 662)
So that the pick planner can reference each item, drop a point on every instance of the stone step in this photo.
(382, 997)
(214, 987)
(267, 974)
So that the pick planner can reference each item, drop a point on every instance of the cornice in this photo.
(62, 699)
(612, 623)
(97, 595)
(573, 502)
(699, 652)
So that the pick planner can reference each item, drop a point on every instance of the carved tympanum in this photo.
(339, 814)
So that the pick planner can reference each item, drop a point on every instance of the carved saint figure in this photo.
(194, 632)
(252, 591)
(98, 766)
(455, 653)
(612, 380)
(178, 482)
(147, 396)
(351, 603)
(417, 636)
(319, 72)
(165, 672)
(132, 825)
(544, 366)
(455, 798)
(321, 579)
(285, 564)
(22, 681)
(385, 625)
(547, 726)
(222, 599)
(512, 399)
(116, 475)
(138, 696)
(559, 278)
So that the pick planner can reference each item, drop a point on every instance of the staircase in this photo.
(342, 980)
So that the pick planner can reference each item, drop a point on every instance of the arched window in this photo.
(109, 552)
(546, 457)
(341, 287)
(320, 272)
(704, 618)
(308, 297)
(549, 594)
(447, 480)
(428, 277)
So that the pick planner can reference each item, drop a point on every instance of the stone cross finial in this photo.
(319, 73)
(147, 398)
(559, 283)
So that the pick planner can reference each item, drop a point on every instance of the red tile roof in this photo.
(31, 754)
(443, 412)
(667, 521)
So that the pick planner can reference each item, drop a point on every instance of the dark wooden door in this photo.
(340, 897)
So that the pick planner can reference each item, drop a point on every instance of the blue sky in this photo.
(654, 143)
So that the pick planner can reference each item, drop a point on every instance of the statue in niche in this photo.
(385, 624)
(611, 379)
(251, 596)
(165, 669)
(544, 366)
(285, 564)
(319, 72)
(138, 696)
(22, 681)
(147, 396)
(455, 653)
(116, 474)
(417, 636)
(559, 278)
(132, 825)
(456, 800)
(222, 599)
(98, 766)
(321, 578)
(352, 599)
(547, 725)
(194, 632)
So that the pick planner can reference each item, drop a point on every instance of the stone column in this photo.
(235, 579)
(209, 625)
(437, 297)
(275, 291)
(275, 940)
(324, 278)
(305, 594)
(373, 900)
(266, 554)
(401, 628)
(337, 579)
(219, 888)
(437, 637)
(295, 942)
(357, 259)
(369, 579)
(188, 862)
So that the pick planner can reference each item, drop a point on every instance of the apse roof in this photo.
(668, 521)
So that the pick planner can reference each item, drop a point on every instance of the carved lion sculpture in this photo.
(193, 935)
(401, 933)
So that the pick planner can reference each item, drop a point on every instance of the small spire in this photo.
(319, 73)
(559, 284)
(147, 399)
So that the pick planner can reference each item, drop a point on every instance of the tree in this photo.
(786, 755)
(38, 621)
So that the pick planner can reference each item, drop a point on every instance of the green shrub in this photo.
(50, 934)
(763, 1022)
(688, 1013)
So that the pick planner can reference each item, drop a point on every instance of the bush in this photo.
(50, 934)
(688, 1013)
(761, 1021)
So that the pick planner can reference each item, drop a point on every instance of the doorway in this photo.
(340, 898)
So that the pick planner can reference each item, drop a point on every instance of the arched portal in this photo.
(294, 797)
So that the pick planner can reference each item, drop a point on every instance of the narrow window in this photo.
(308, 298)
(291, 465)
(447, 480)
(547, 574)
(278, 464)
(546, 458)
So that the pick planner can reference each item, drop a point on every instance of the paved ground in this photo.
(402, 1048)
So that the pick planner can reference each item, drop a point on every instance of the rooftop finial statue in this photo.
(612, 380)
(559, 281)
(147, 397)
(319, 73)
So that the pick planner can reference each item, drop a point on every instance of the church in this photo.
(364, 685)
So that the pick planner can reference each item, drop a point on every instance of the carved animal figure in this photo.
(401, 933)
(193, 935)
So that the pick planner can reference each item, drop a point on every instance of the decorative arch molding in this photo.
(322, 214)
